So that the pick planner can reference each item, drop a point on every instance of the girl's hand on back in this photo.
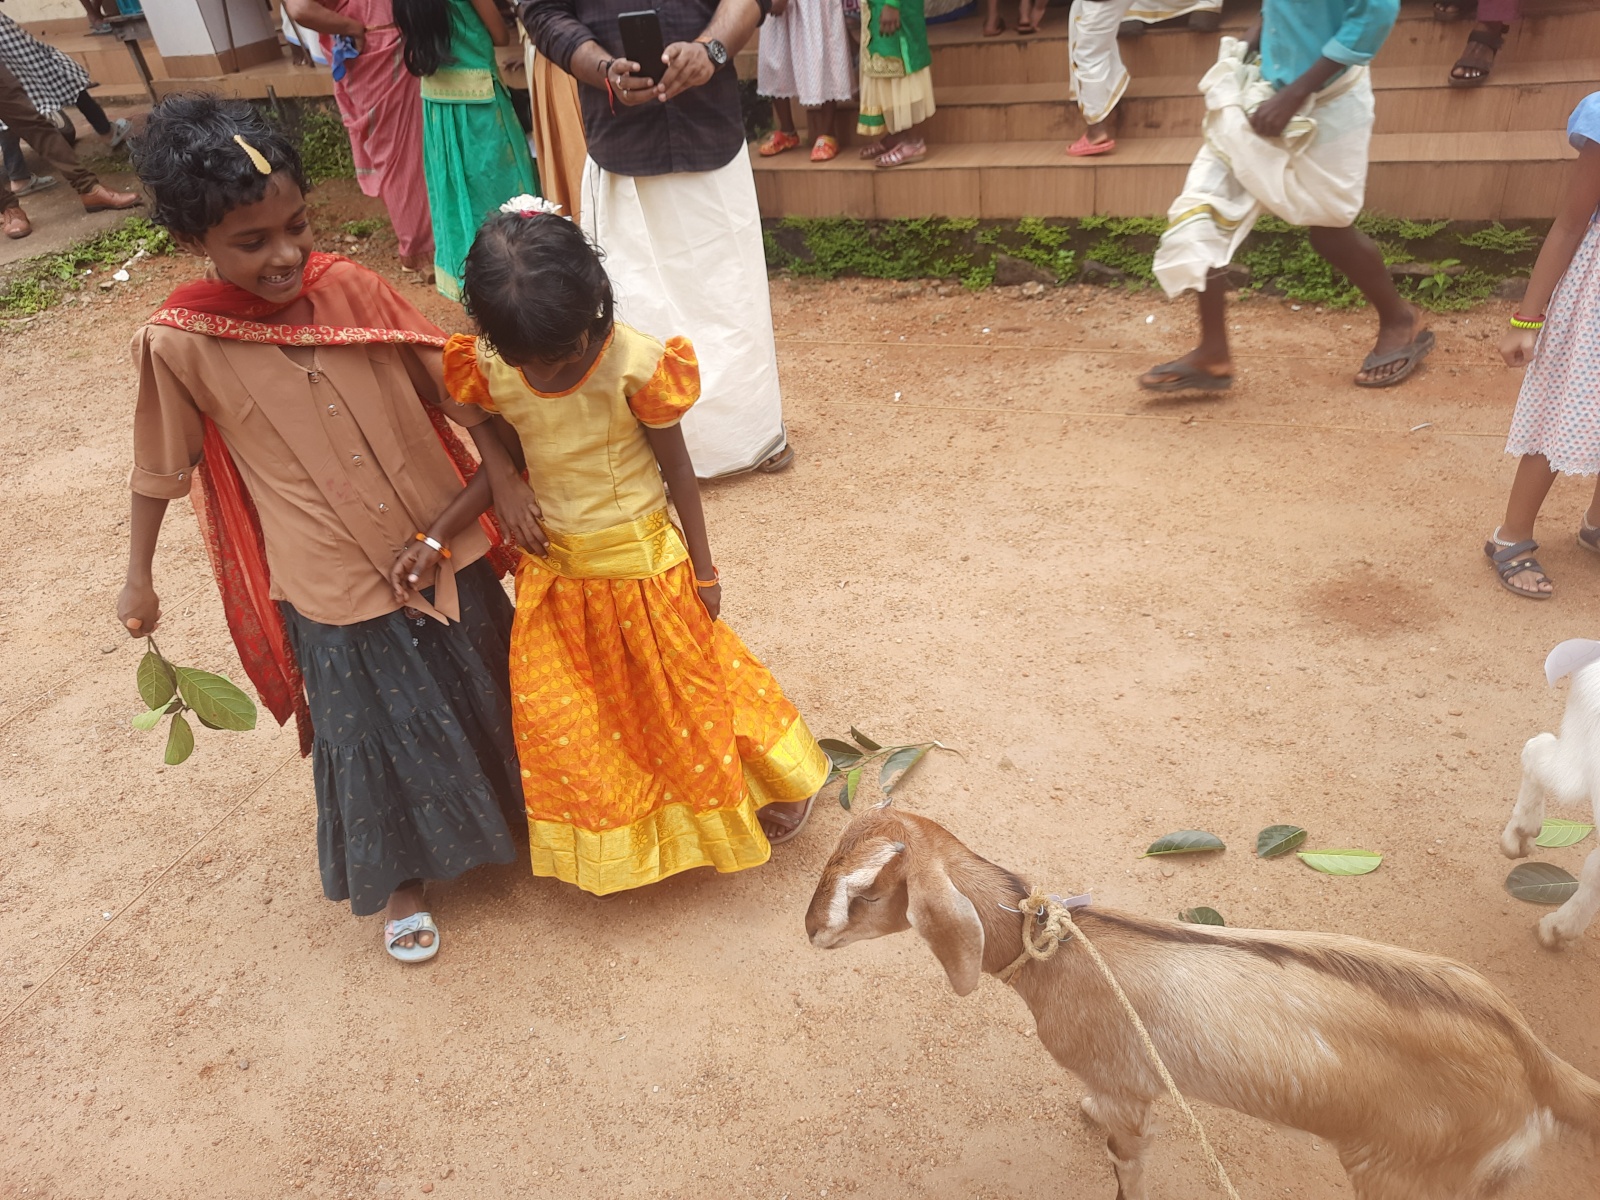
(519, 512)
(1518, 345)
(139, 609)
(414, 564)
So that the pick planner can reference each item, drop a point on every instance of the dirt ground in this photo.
(1130, 616)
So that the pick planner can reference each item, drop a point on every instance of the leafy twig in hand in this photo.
(168, 690)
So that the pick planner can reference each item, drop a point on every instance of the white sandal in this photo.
(416, 923)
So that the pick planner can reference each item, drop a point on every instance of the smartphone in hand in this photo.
(641, 41)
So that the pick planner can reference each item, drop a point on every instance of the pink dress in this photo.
(381, 104)
(1558, 410)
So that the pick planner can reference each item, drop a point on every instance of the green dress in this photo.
(474, 152)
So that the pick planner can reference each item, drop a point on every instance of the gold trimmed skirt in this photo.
(648, 736)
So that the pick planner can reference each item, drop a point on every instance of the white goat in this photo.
(1568, 769)
(1422, 1075)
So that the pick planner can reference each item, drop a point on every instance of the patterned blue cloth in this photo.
(344, 49)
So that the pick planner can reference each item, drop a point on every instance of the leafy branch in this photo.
(169, 690)
(850, 758)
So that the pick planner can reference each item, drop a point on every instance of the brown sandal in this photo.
(1481, 70)
(789, 826)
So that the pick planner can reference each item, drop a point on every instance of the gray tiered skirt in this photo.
(414, 761)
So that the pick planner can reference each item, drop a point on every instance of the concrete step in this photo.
(1464, 176)
(1532, 96)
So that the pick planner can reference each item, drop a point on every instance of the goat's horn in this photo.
(885, 802)
(897, 847)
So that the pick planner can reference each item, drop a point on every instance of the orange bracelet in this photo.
(434, 544)
(714, 581)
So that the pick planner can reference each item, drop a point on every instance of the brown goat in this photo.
(1426, 1079)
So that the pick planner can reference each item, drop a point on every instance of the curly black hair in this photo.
(194, 170)
(535, 286)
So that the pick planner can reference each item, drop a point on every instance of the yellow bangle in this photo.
(714, 581)
(1518, 322)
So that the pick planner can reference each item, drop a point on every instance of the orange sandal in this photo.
(825, 149)
(777, 142)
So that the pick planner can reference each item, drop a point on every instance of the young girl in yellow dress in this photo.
(650, 739)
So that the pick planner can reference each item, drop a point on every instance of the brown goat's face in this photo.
(862, 892)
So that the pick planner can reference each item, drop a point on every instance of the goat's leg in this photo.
(1569, 921)
(1126, 1122)
(1527, 816)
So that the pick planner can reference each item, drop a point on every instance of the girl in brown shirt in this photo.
(305, 395)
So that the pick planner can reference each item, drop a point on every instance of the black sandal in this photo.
(1185, 378)
(1409, 357)
(1515, 558)
(1492, 40)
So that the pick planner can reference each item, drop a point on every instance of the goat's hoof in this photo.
(1554, 933)
(1517, 843)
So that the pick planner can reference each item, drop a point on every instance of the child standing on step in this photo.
(651, 740)
(805, 56)
(306, 398)
(896, 81)
(1556, 334)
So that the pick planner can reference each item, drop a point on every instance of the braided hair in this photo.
(536, 287)
(195, 170)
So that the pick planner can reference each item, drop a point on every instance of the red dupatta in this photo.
(227, 514)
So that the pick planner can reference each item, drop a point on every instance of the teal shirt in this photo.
(1295, 33)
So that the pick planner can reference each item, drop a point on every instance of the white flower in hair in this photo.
(528, 206)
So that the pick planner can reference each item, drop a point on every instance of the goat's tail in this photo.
(1570, 1095)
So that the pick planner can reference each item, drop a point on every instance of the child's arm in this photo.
(138, 607)
(418, 559)
(678, 471)
(514, 501)
(1582, 197)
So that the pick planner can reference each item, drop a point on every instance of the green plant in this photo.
(921, 248)
(848, 759)
(1500, 240)
(1377, 226)
(325, 145)
(1437, 284)
(169, 690)
(40, 282)
(363, 227)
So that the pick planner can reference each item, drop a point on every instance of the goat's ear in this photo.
(948, 922)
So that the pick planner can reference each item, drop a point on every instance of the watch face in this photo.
(718, 52)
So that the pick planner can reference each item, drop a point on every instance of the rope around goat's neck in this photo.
(1058, 927)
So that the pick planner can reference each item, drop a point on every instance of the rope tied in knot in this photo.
(1047, 923)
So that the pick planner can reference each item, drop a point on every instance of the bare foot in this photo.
(403, 903)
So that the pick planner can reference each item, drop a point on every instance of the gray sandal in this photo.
(1515, 558)
(1409, 357)
(1185, 378)
(1589, 537)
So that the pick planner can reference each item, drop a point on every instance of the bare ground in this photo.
(1131, 616)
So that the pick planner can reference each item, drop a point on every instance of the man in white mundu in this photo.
(1286, 133)
(669, 196)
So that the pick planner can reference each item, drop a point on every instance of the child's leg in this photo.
(1528, 490)
(783, 113)
(993, 25)
(1358, 258)
(1592, 516)
(821, 121)
(1212, 355)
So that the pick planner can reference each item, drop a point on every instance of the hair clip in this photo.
(257, 159)
(526, 206)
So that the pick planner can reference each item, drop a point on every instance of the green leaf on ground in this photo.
(1278, 839)
(1540, 883)
(157, 684)
(901, 761)
(180, 741)
(147, 721)
(1558, 833)
(1184, 841)
(1201, 915)
(1342, 862)
(864, 741)
(852, 782)
(216, 700)
(840, 754)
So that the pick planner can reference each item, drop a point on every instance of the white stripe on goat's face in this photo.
(847, 888)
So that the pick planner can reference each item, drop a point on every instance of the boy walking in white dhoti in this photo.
(1286, 134)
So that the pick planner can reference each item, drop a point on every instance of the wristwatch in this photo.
(715, 51)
